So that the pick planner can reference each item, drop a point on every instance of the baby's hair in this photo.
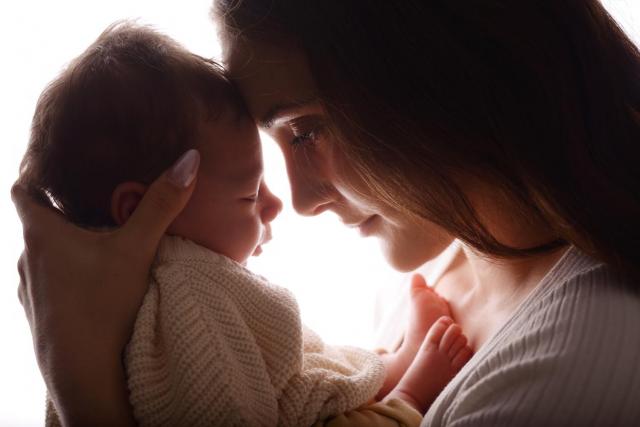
(124, 110)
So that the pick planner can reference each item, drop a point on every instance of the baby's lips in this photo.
(266, 236)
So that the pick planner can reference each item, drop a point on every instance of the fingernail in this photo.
(185, 169)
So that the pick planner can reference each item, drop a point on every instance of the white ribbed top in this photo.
(569, 356)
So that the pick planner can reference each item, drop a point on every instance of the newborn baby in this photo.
(213, 344)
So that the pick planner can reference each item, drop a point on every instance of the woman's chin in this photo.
(409, 256)
(399, 260)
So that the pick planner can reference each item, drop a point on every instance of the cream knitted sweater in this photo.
(215, 344)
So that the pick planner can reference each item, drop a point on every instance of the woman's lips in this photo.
(367, 227)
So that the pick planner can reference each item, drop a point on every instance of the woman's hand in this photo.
(81, 291)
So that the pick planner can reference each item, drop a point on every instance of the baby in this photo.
(213, 344)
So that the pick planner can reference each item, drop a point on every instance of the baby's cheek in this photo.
(245, 236)
(188, 225)
(254, 232)
(196, 218)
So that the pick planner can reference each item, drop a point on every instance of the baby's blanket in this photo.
(215, 344)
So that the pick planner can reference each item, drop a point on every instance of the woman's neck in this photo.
(500, 279)
(503, 282)
(484, 293)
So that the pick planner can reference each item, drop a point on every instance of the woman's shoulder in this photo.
(569, 356)
(579, 337)
(580, 296)
(583, 307)
(580, 292)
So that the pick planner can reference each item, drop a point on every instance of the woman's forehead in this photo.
(271, 78)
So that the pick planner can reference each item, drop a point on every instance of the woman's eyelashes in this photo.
(303, 138)
(305, 129)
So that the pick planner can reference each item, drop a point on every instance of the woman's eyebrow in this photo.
(268, 119)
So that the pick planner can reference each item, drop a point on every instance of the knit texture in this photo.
(569, 356)
(215, 344)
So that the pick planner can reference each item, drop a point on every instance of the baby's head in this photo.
(123, 112)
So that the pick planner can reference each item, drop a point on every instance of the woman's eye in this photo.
(304, 138)
(305, 129)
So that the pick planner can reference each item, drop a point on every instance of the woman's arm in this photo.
(81, 291)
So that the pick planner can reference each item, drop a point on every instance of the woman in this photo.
(510, 126)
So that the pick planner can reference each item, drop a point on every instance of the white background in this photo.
(333, 272)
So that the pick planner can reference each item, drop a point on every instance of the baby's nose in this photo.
(272, 205)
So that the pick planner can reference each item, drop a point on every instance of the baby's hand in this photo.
(442, 354)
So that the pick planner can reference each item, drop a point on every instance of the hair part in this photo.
(124, 110)
(539, 99)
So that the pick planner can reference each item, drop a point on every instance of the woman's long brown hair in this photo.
(539, 98)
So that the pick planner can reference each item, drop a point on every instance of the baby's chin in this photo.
(256, 252)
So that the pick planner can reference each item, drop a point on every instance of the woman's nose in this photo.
(271, 204)
(310, 179)
(310, 193)
(310, 200)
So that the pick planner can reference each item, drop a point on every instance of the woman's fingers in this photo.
(23, 291)
(39, 219)
(81, 289)
(35, 213)
(21, 285)
(162, 202)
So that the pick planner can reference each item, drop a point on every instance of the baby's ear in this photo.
(125, 199)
